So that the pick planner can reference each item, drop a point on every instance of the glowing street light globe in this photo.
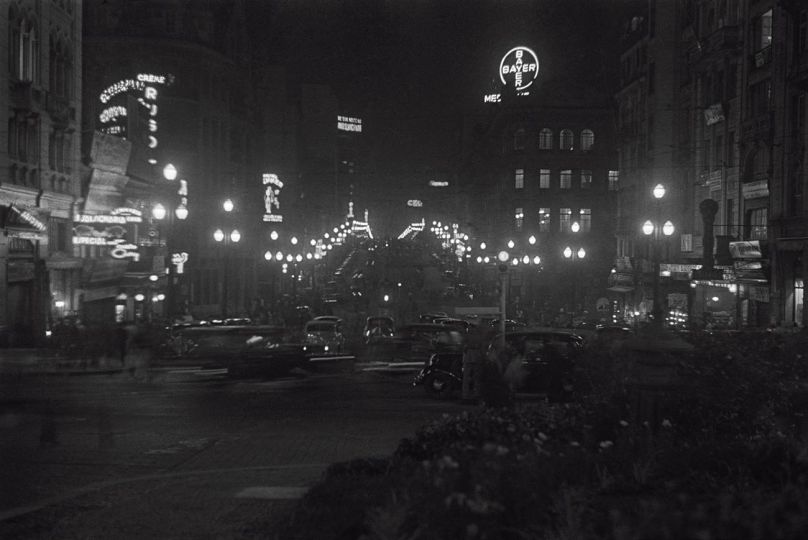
(510, 244)
(313, 242)
(273, 235)
(658, 191)
(228, 205)
(482, 245)
(170, 172)
(668, 228)
(181, 212)
(298, 257)
(158, 211)
(139, 297)
(648, 228)
(279, 256)
(267, 256)
(536, 260)
(531, 240)
(218, 235)
(235, 236)
(503, 256)
(294, 240)
(526, 259)
(575, 227)
(581, 253)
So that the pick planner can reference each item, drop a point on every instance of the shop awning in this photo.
(21, 223)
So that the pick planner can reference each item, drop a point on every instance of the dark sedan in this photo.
(417, 342)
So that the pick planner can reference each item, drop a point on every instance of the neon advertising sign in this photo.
(272, 190)
(518, 68)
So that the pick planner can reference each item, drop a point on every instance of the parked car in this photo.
(547, 358)
(273, 352)
(430, 317)
(418, 341)
(326, 333)
(216, 345)
(461, 324)
(377, 329)
(510, 324)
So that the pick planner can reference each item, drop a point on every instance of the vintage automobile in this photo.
(276, 352)
(418, 341)
(377, 329)
(325, 333)
(545, 358)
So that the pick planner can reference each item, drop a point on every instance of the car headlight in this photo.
(325, 348)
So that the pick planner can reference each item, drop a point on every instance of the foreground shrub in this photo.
(725, 462)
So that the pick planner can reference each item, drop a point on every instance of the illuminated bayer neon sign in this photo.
(518, 69)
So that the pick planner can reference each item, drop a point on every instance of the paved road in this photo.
(185, 453)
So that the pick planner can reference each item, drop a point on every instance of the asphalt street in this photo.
(187, 453)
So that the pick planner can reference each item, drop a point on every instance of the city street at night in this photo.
(187, 454)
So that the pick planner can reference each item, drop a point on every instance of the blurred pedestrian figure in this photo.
(122, 340)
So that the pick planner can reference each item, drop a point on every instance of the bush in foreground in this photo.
(728, 463)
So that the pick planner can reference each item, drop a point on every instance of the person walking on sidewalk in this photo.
(122, 339)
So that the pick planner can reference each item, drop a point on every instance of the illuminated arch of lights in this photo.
(317, 248)
(451, 237)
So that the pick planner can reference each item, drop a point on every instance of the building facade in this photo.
(540, 177)
(173, 79)
(731, 157)
(39, 165)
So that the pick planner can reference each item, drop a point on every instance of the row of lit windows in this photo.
(565, 179)
(565, 221)
(566, 139)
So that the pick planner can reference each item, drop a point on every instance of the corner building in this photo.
(39, 165)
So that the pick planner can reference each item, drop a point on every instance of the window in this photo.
(564, 219)
(61, 68)
(23, 143)
(614, 180)
(763, 30)
(519, 178)
(731, 217)
(587, 139)
(566, 179)
(23, 48)
(544, 178)
(519, 218)
(544, 220)
(756, 223)
(546, 139)
(585, 219)
(519, 139)
(567, 140)
(760, 98)
(586, 179)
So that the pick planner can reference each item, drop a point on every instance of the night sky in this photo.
(416, 64)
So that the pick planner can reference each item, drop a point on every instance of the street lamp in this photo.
(225, 238)
(503, 257)
(573, 255)
(658, 233)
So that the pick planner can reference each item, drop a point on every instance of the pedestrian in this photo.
(122, 339)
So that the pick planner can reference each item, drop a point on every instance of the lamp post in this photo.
(573, 255)
(225, 238)
(503, 257)
(660, 232)
(161, 213)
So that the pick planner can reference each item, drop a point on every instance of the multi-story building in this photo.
(39, 165)
(539, 170)
(173, 79)
(729, 153)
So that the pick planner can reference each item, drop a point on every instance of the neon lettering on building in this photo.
(349, 123)
(111, 113)
(520, 67)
